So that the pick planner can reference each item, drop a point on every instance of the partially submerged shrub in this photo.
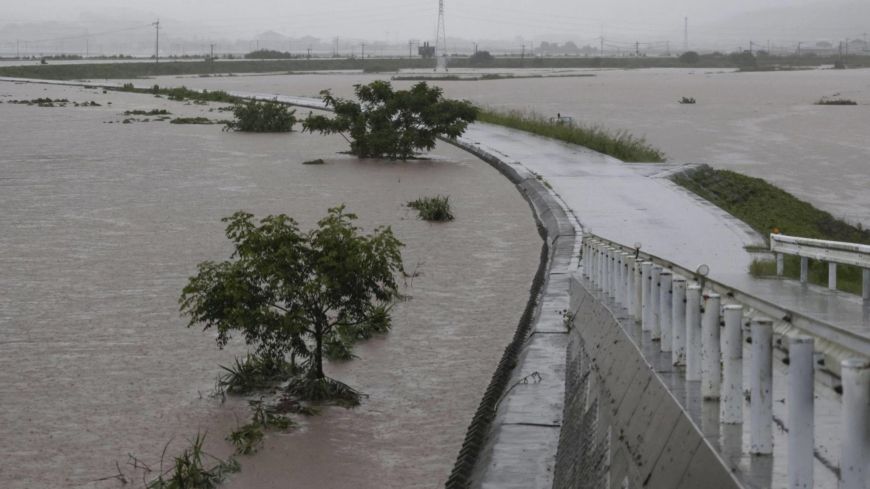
(262, 116)
(255, 372)
(147, 112)
(435, 208)
(318, 161)
(189, 471)
(836, 101)
(248, 438)
(687, 100)
(191, 120)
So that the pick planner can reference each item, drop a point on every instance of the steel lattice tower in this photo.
(440, 32)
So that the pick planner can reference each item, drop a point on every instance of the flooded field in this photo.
(762, 124)
(101, 225)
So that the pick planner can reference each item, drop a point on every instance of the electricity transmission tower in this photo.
(440, 33)
(156, 41)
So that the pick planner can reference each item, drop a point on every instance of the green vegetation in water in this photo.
(263, 292)
(247, 439)
(688, 100)
(262, 116)
(182, 94)
(394, 124)
(148, 112)
(767, 208)
(318, 161)
(191, 120)
(835, 101)
(620, 145)
(435, 208)
(255, 372)
(41, 102)
(189, 470)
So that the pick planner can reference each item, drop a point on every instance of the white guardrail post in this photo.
(678, 321)
(655, 298)
(800, 412)
(646, 314)
(629, 278)
(855, 425)
(832, 276)
(637, 284)
(665, 303)
(761, 390)
(731, 407)
(693, 332)
(711, 358)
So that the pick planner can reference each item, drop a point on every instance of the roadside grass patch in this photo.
(766, 208)
(435, 208)
(618, 144)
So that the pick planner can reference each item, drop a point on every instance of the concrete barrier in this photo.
(622, 427)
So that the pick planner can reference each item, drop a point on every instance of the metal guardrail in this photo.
(687, 320)
(832, 252)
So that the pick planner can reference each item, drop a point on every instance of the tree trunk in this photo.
(317, 368)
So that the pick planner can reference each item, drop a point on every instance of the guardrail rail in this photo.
(832, 252)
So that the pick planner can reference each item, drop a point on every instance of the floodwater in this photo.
(101, 225)
(762, 124)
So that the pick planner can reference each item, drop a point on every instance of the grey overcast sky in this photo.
(402, 19)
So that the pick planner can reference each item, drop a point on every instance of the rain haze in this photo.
(398, 21)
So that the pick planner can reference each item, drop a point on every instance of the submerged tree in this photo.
(293, 292)
(393, 124)
(262, 116)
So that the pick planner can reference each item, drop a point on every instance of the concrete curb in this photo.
(513, 438)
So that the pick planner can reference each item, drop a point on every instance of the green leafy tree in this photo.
(262, 116)
(292, 292)
(690, 58)
(393, 124)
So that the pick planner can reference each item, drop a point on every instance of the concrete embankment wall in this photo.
(622, 426)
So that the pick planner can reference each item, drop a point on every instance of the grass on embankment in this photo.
(765, 207)
(618, 144)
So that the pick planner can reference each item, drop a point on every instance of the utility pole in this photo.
(17, 49)
(523, 53)
(156, 41)
(410, 49)
(309, 53)
(799, 49)
(637, 49)
(601, 47)
(685, 34)
(363, 50)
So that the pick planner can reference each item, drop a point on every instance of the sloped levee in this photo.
(622, 426)
(513, 437)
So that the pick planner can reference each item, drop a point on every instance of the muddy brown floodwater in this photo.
(101, 225)
(762, 124)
